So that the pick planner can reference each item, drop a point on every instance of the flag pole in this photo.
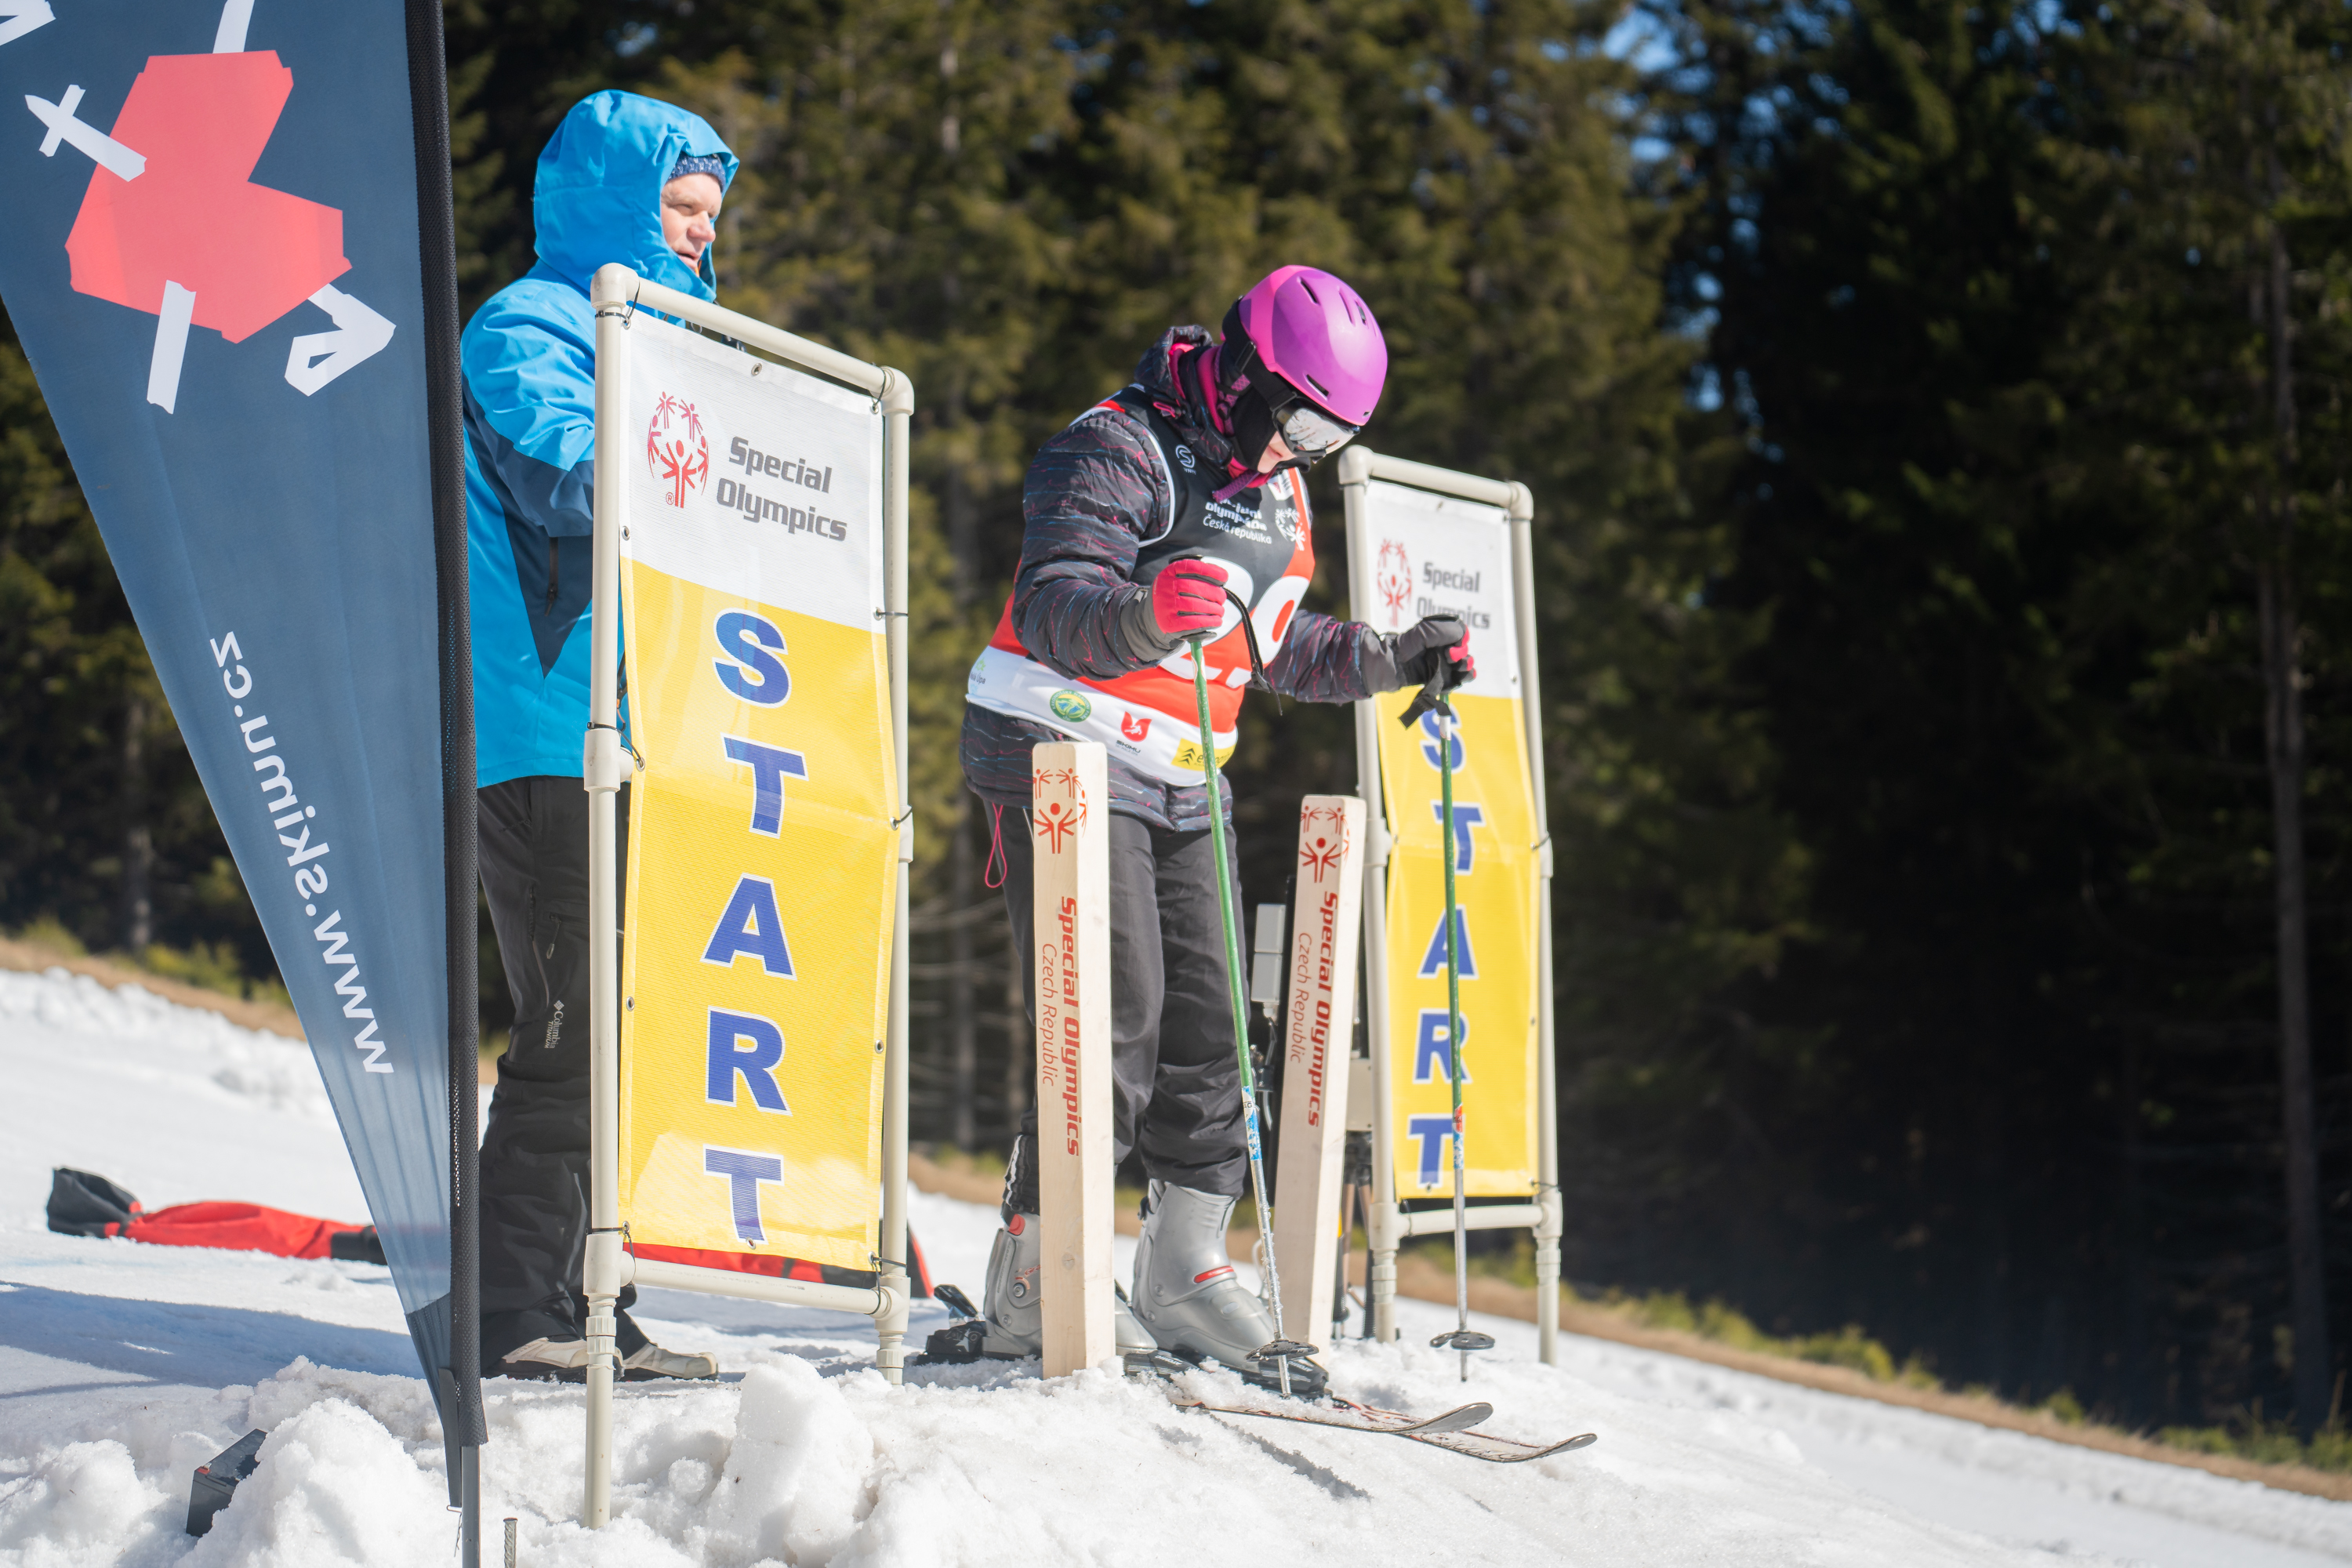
(437, 244)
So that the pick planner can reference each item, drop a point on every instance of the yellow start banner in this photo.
(761, 854)
(1436, 556)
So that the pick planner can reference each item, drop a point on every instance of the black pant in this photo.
(534, 859)
(1176, 1091)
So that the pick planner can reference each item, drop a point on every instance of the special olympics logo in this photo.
(1392, 575)
(676, 450)
(1323, 840)
(1058, 803)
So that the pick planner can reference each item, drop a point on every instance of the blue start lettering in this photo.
(1430, 1058)
(750, 670)
(770, 767)
(745, 1046)
(1432, 963)
(744, 1172)
(751, 925)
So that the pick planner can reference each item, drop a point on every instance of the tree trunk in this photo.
(138, 842)
(2284, 742)
(2135, 1398)
(2283, 728)
(1992, 1198)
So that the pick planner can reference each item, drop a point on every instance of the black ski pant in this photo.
(534, 859)
(1176, 1091)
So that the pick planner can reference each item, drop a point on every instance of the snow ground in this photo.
(123, 1367)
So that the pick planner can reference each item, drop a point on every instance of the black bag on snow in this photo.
(81, 1203)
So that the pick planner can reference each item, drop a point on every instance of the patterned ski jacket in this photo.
(1097, 496)
(529, 358)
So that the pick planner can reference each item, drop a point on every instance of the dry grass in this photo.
(1424, 1279)
(35, 955)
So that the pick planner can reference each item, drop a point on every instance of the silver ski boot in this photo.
(1010, 1314)
(1187, 1298)
(1011, 1321)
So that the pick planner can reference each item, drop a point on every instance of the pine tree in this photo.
(103, 826)
(1013, 202)
(2211, 352)
(1878, 297)
(2032, 349)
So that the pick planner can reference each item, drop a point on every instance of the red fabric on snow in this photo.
(249, 1228)
(236, 1228)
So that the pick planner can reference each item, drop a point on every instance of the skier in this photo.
(624, 179)
(1139, 518)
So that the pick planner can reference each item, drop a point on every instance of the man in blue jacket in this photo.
(630, 180)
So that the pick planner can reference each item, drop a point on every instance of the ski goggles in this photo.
(1309, 431)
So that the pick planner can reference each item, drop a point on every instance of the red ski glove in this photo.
(1188, 598)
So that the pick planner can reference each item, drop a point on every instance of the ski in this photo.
(1355, 1417)
(1449, 1430)
(1501, 1451)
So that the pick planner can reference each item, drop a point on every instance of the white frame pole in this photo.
(616, 294)
(1388, 1221)
(1552, 1222)
(601, 774)
(890, 1316)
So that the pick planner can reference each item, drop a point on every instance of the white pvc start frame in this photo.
(1390, 1223)
(617, 293)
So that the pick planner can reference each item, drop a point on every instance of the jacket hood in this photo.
(1169, 377)
(597, 198)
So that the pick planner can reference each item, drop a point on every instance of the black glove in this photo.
(1434, 643)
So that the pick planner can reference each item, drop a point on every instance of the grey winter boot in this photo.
(1011, 1321)
(1009, 1304)
(1186, 1294)
(1128, 1334)
(1011, 1309)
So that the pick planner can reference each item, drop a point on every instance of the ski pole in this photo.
(1454, 1031)
(1281, 1350)
(1432, 698)
(1340, 1272)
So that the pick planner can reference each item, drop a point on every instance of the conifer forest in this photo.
(1939, 417)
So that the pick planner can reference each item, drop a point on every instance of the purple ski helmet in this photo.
(1318, 335)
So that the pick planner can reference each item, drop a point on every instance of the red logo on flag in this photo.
(1058, 802)
(191, 214)
(676, 450)
(173, 224)
(1135, 726)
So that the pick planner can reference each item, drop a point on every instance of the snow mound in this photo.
(176, 1103)
(334, 1485)
(798, 1480)
(250, 1065)
(83, 1503)
(794, 1466)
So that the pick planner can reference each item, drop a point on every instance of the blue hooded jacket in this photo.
(529, 362)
